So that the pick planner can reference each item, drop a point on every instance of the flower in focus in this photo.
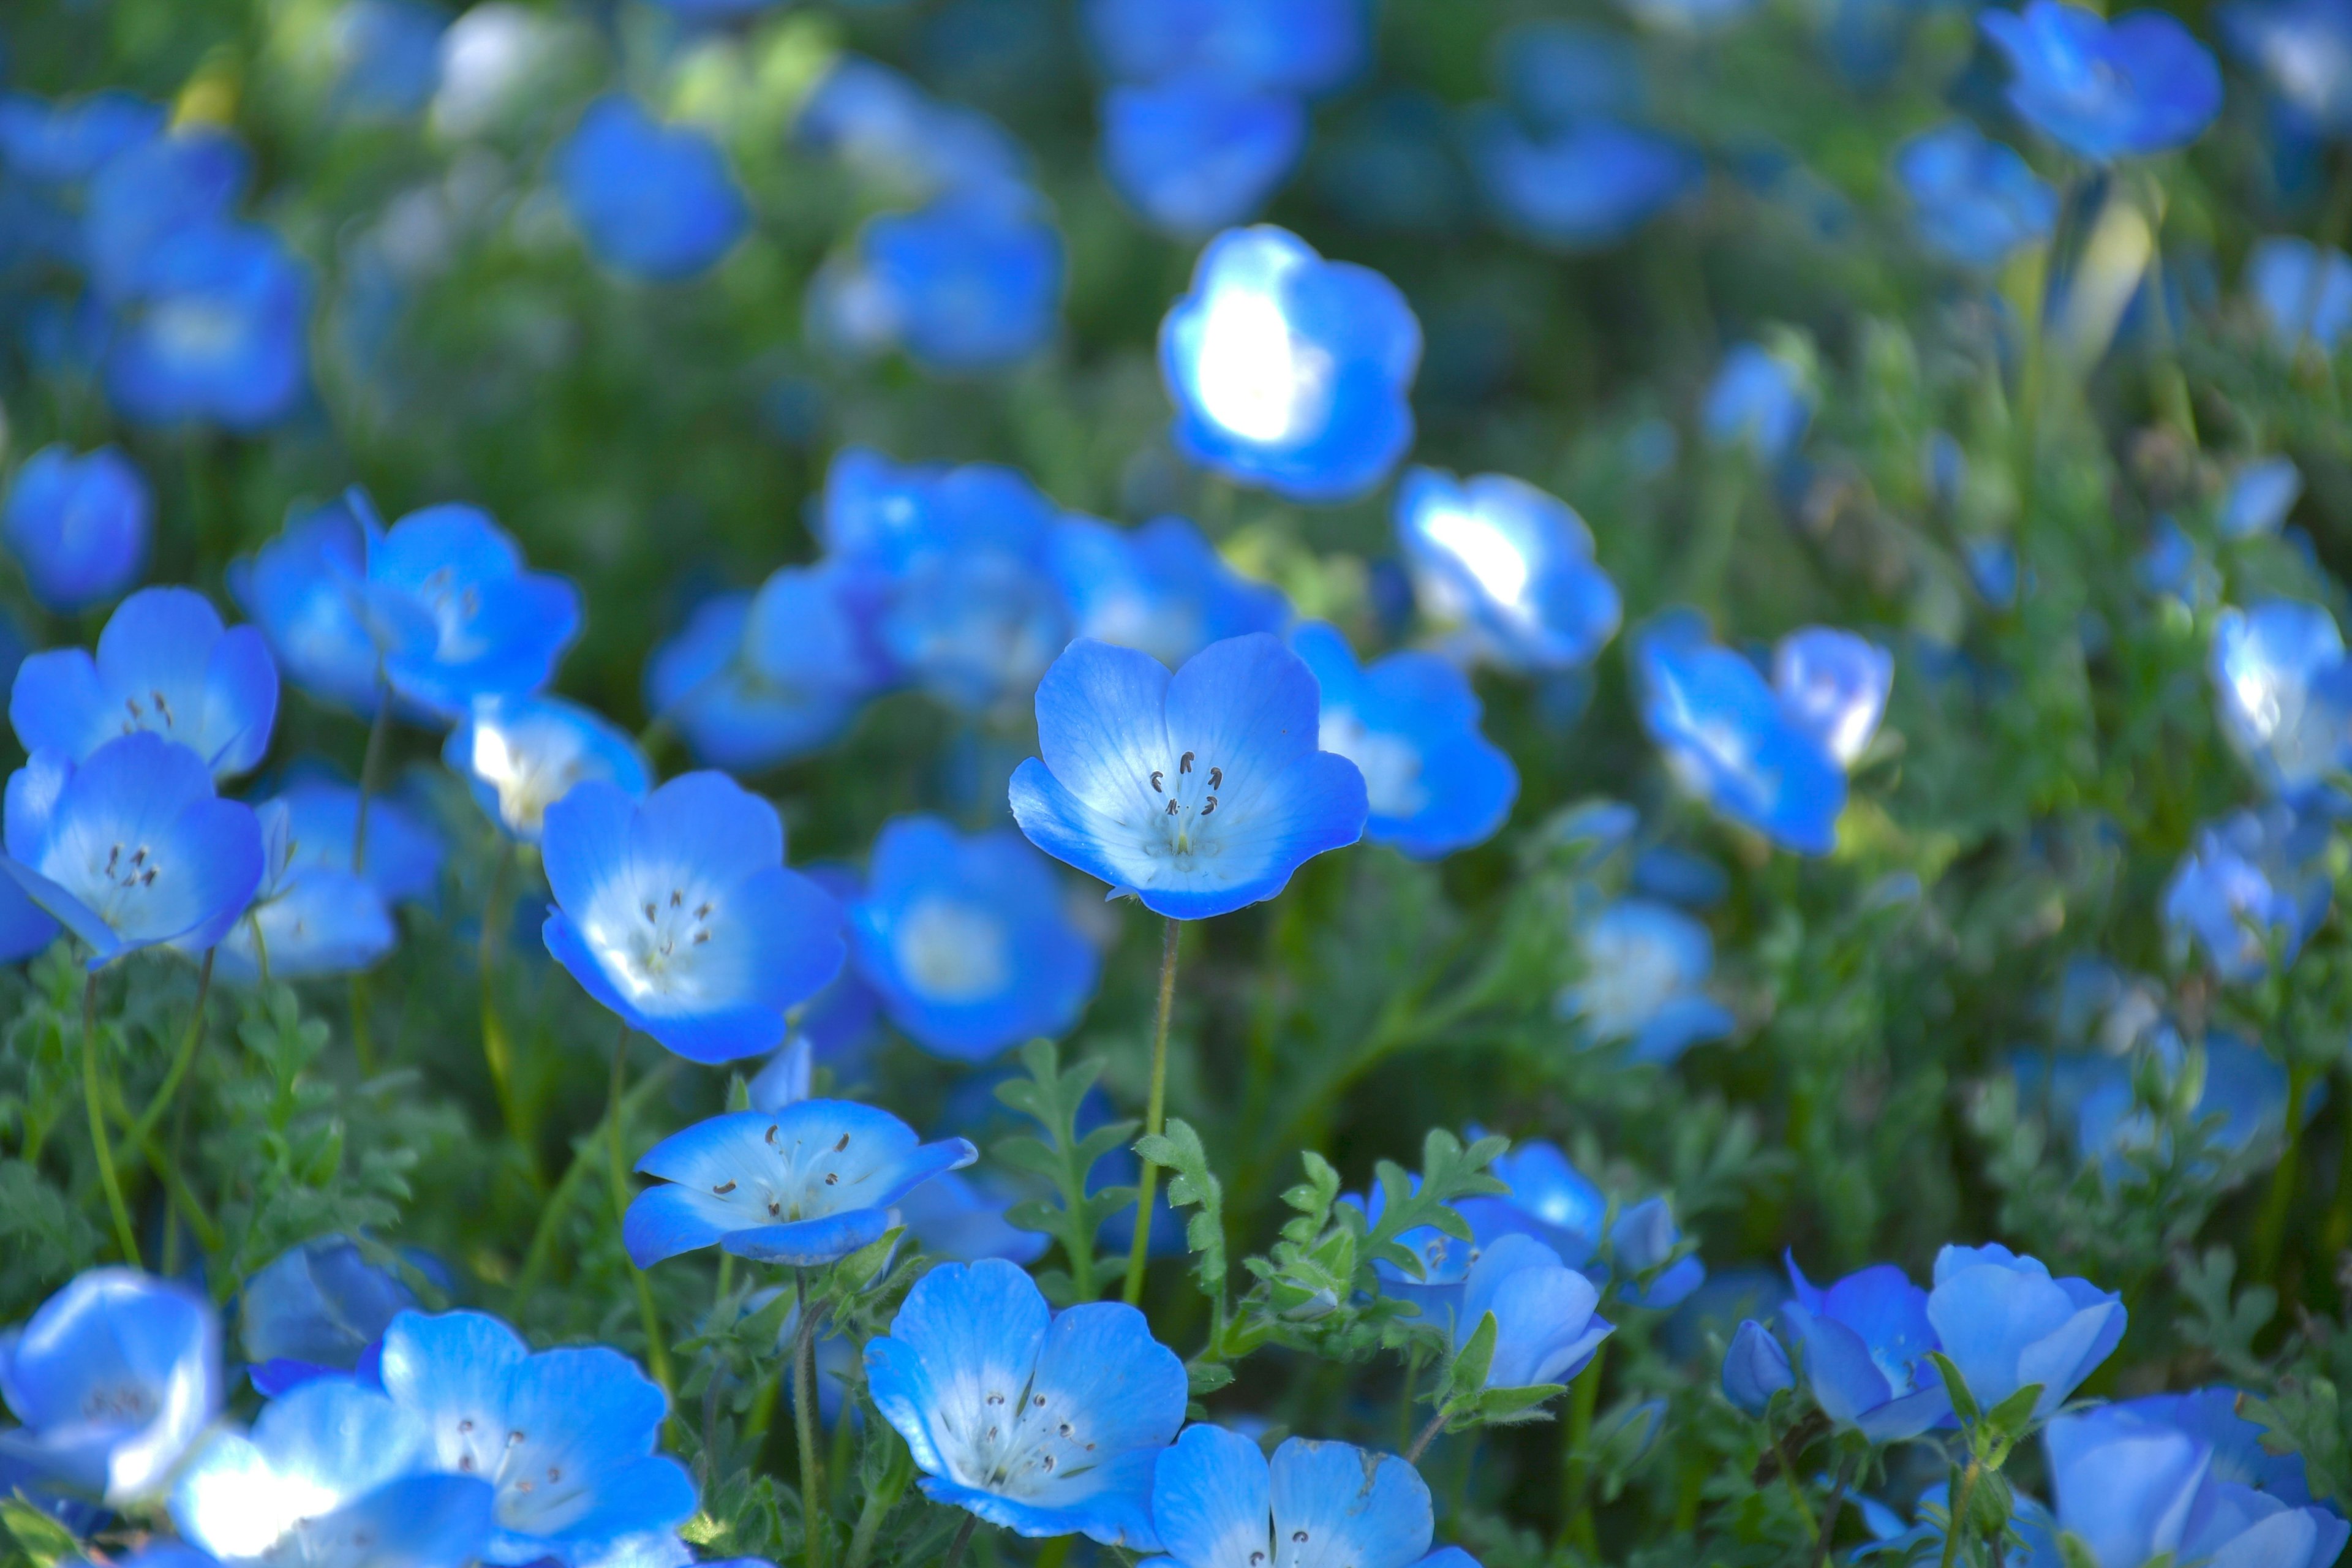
(1643, 966)
(523, 754)
(78, 526)
(1297, 46)
(1162, 588)
(1581, 187)
(1043, 1423)
(966, 942)
(1287, 371)
(2284, 692)
(1194, 155)
(213, 326)
(652, 201)
(114, 1378)
(971, 283)
(1216, 1501)
(1546, 1329)
(1512, 563)
(2304, 293)
(316, 1308)
(2006, 1323)
(676, 912)
(1974, 201)
(1757, 402)
(1198, 792)
(755, 680)
(1755, 1368)
(1863, 1345)
(164, 665)
(2106, 89)
(2252, 886)
(1410, 723)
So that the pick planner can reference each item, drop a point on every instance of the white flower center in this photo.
(1628, 977)
(1254, 377)
(952, 952)
(536, 1495)
(1018, 1444)
(191, 327)
(529, 778)
(649, 945)
(1492, 557)
(1189, 793)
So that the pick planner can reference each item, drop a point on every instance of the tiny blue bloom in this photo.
(883, 126)
(1833, 685)
(2284, 692)
(1755, 1368)
(388, 57)
(755, 680)
(1585, 186)
(2006, 1323)
(1195, 155)
(316, 1308)
(2259, 498)
(1217, 1501)
(523, 754)
(1511, 563)
(1288, 371)
(653, 201)
(2241, 1085)
(966, 940)
(675, 912)
(1758, 403)
(1198, 793)
(2252, 886)
(403, 849)
(1043, 1423)
(306, 919)
(1862, 1346)
(112, 1379)
(1642, 1243)
(1643, 966)
(2304, 48)
(1974, 201)
(2106, 89)
(78, 526)
(1162, 588)
(1546, 1328)
(165, 665)
(215, 326)
(970, 283)
(2135, 1483)
(1297, 46)
(2305, 293)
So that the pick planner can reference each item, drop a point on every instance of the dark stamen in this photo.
(1184, 764)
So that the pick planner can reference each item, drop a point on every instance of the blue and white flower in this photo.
(2284, 692)
(523, 754)
(1643, 967)
(2006, 1324)
(1218, 1502)
(1162, 588)
(1511, 563)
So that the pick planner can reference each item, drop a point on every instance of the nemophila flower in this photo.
(1287, 371)
(1863, 1345)
(2303, 47)
(1974, 201)
(652, 201)
(677, 913)
(1043, 1423)
(2252, 887)
(129, 847)
(523, 754)
(2006, 1323)
(78, 525)
(331, 1476)
(971, 283)
(962, 1219)
(214, 326)
(1728, 739)
(1433, 783)
(439, 606)
(1546, 1327)
(1581, 187)
(1162, 588)
(305, 919)
(1217, 1503)
(69, 140)
(2241, 1100)
(1756, 402)
(1194, 155)
(2209, 1416)
(1678, 877)
(387, 57)
(566, 1436)
(2284, 692)
(403, 848)
(318, 1307)
(112, 1379)
(1197, 792)
(2303, 293)
(2259, 498)
(966, 940)
(2102, 90)
(1511, 563)
(164, 664)
(1297, 46)
(1833, 685)
(1755, 1368)
(168, 186)
(2135, 1486)
(755, 680)
(882, 125)
(1642, 968)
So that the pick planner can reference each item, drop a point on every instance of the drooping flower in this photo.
(2006, 1323)
(1512, 563)
(2284, 692)
(1756, 402)
(1755, 1368)
(1288, 371)
(112, 1379)
(1217, 1501)
(2259, 498)
(1162, 588)
(1195, 155)
(2304, 293)
(78, 525)
(130, 849)
(1433, 783)
(1546, 1327)
(652, 201)
(1043, 1423)
(755, 680)
(523, 754)
(1297, 46)
(1584, 186)
(966, 941)
(2106, 89)
(1644, 965)
(2251, 888)
(316, 1308)
(1974, 201)
(1198, 792)
(971, 283)
(677, 913)
(214, 326)
(1863, 1345)
(805, 1183)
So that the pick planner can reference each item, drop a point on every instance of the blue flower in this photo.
(755, 680)
(1511, 562)
(805, 1183)
(114, 1378)
(675, 912)
(1194, 155)
(1555, 74)
(1198, 793)
(316, 1307)
(2259, 498)
(1216, 1503)
(1045, 1423)
(1546, 1328)
(2210, 1417)
(1643, 966)
(2136, 1481)
(78, 526)
(2305, 293)
(567, 1435)
(1757, 402)
(1288, 371)
(1296, 45)
(1863, 1345)
(69, 141)
(523, 754)
(314, 913)
(164, 665)
(971, 283)
(388, 57)
(966, 941)
(129, 848)
(331, 1477)
(2304, 48)
(1974, 201)
(2253, 884)
(653, 201)
(963, 1217)
(2241, 1086)
(439, 606)
(2102, 90)
(883, 125)
(2006, 1324)
(1583, 187)
(2284, 692)
(1410, 723)
(1755, 1368)
(1832, 685)
(404, 850)
(157, 191)
(1162, 588)
(215, 326)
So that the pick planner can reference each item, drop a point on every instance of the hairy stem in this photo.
(963, 1539)
(1956, 1525)
(168, 1094)
(1427, 1436)
(1154, 1115)
(877, 1506)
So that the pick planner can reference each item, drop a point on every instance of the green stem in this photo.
(123, 1234)
(618, 1167)
(497, 1046)
(371, 771)
(1722, 496)
(542, 1250)
(2278, 1204)
(167, 1096)
(1155, 1114)
(1586, 1397)
(1957, 1524)
(1796, 1488)
(963, 1539)
(877, 1506)
(1829, 1520)
(1427, 1436)
(363, 1032)
(2337, 1234)
(814, 1518)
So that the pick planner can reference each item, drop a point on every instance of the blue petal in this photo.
(810, 1242)
(964, 1328)
(416, 1521)
(1247, 703)
(1212, 1496)
(1371, 1512)
(58, 704)
(665, 1221)
(1102, 728)
(708, 821)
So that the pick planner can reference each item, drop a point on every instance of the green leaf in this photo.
(40, 1538)
(1072, 1216)
(2013, 1416)
(1512, 1406)
(1964, 1404)
(1466, 1377)
(1207, 1377)
(1448, 1172)
(1193, 1185)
